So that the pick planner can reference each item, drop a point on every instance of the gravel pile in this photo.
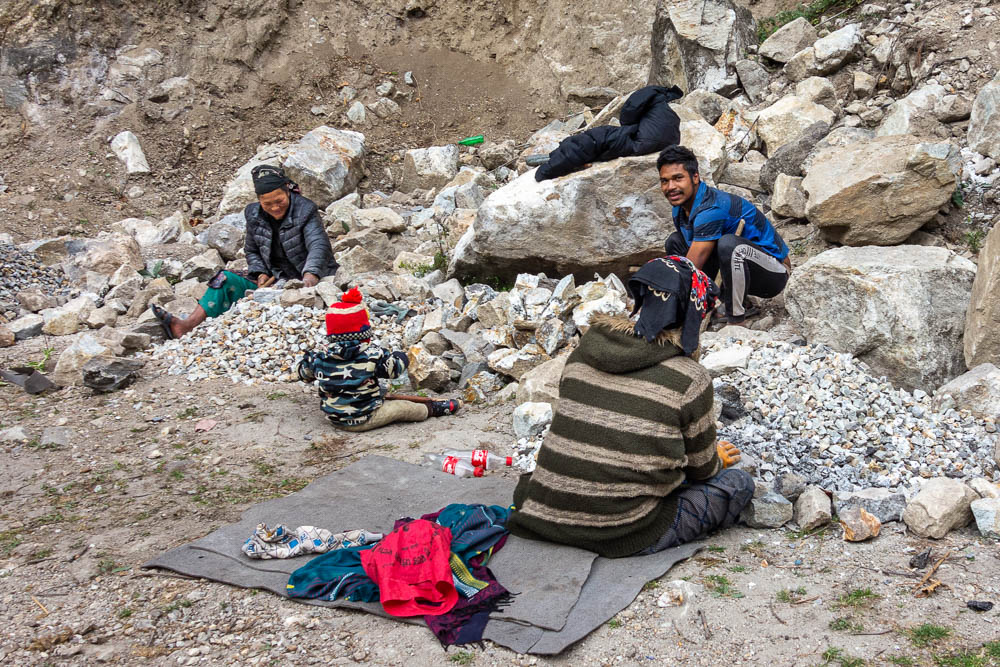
(256, 342)
(21, 270)
(823, 415)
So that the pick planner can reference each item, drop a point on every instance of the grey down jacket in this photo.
(301, 234)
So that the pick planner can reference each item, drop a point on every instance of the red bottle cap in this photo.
(510, 460)
(478, 472)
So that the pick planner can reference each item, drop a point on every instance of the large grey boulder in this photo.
(103, 255)
(941, 505)
(709, 145)
(426, 168)
(984, 123)
(977, 391)
(605, 218)
(326, 162)
(788, 40)
(786, 120)
(883, 504)
(826, 55)
(900, 309)
(982, 323)
(696, 43)
(68, 370)
(878, 192)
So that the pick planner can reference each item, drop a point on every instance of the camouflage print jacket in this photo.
(348, 374)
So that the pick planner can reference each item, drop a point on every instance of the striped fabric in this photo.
(634, 420)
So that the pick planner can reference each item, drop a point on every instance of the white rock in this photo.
(977, 391)
(531, 419)
(126, 148)
(788, 40)
(727, 360)
(986, 512)
(788, 118)
(427, 168)
(984, 123)
(899, 309)
(941, 505)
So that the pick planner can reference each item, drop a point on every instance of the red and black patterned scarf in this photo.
(670, 292)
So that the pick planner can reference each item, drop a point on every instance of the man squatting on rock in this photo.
(285, 240)
(722, 233)
(348, 373)
(631, 465)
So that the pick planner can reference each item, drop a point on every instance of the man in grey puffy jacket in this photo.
(285, 240)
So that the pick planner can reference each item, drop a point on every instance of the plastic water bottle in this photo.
(482, 458)
(454, 466)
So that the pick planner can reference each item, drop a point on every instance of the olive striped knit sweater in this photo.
(634, 420)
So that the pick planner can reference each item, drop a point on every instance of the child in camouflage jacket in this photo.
(349, 370)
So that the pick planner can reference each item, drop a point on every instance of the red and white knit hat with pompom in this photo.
(347, 318)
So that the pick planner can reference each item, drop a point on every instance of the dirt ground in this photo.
(134, 478)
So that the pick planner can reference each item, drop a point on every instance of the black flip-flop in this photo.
(164, 318)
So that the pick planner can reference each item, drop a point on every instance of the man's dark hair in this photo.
(678, 155)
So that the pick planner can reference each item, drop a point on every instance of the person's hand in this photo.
(310, 279)
(728, 452)
(262, 278)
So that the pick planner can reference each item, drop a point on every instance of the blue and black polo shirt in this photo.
(715, 213)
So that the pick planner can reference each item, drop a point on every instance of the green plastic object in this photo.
(472, 141)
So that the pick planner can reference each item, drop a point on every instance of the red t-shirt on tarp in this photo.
(410, 566)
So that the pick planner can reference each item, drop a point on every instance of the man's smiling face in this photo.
(677, 185)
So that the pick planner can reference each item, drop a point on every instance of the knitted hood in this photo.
(610, 345)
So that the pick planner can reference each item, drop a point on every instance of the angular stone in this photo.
(35, 299)
(984, 123)
(788, 118)
(326, 163)
(531, 419)
(497, 155)
(703, 104)
(384, 108)
(789, 158)
(982, 322)
(101, 374)
(551, 335)
(427, 371)
(984, 488)
(802, 65)
(770, 510)
(859, 525)
(788, 40)
(743, 175)
(812, 509)
(451, 292)
(837, 48)
(516, 363)
(228, 240)
(864, 84)
(104, 255)
(426, 168)
(904, 182)
(789, 198)
(708, 144)
(60, 322)
(727, 360)
(126, 148)
(358, 260)
(790, 485)
(899, 309)
(977, 391)
(541, 383)
(127, 290)
(7, 337)
(382, 219)
(914, 114)
(158, 291)
(13, 434)
(495, 313)
(305, 296)
(202, 267)
(986, 512)
(27, 326)
(754, 79)
(550, 226)
(819, 91)
(941, 505)
(953, 108)
(696, 43)
(884, 504)
(357, 114)
(71, 361)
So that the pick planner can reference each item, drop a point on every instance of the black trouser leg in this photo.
(676, 245)
(747, 270)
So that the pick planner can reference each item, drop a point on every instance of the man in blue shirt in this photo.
(722, 234)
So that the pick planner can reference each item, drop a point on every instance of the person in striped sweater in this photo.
(631, 464)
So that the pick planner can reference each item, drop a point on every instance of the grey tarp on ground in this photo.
(563, 593)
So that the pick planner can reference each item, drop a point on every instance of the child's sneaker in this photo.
(442, 408)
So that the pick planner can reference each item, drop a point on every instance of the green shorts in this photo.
(218, 300)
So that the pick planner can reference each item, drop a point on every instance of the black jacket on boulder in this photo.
(300, 233)
(648, 125)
